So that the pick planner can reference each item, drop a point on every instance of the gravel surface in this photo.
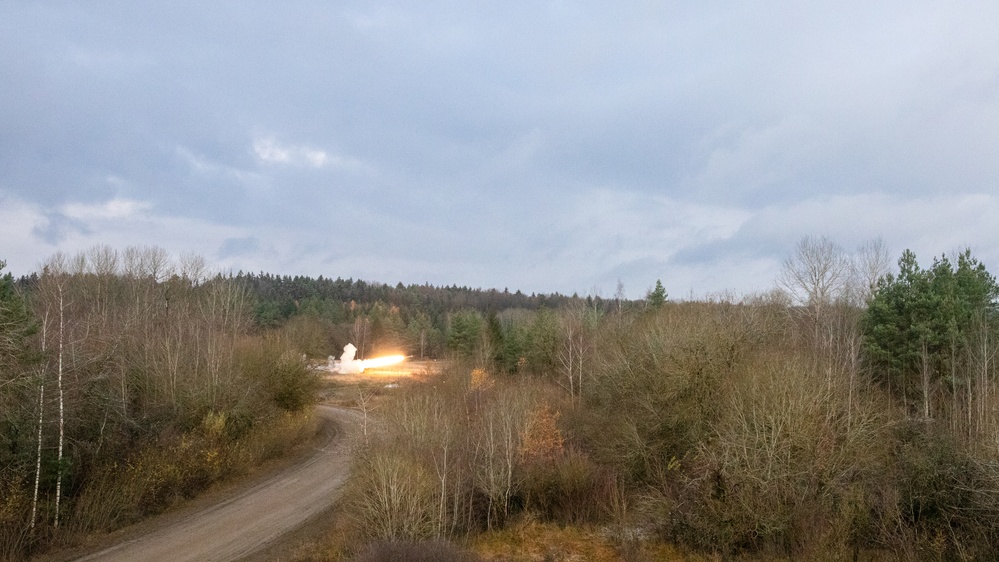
(251, 520)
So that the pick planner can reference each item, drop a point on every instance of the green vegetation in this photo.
(849, 414)
(927, 333)
(782, 426)
(128, 381)
(657, 296)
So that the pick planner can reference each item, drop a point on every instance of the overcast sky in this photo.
(540, 146)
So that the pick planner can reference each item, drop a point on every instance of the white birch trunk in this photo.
(41, 412)
(62, 418)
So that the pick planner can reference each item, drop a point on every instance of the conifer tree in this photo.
(657, 296)
(918, 323)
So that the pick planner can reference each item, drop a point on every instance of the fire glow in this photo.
(376, 362)
(347, 365)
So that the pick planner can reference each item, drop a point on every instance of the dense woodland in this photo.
(129, 380)
(850, 413)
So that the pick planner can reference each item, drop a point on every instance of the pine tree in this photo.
(918, 324)
(657, 296)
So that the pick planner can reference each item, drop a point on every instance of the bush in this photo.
(392, 497)
(433, 551)
(292, 386)
(943, 498)
(658, 381)
(569, 489)
(788, 471)
(156, 476)
(14, 508)
(280, 373)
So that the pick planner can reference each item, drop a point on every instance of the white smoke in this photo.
(347, 365)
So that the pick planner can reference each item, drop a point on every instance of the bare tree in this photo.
(38, 452)
(225, 310)
(981, 360)
(160, 268)
(102, 264)
(193, 268)
(816, 272)
(41, 422)
(839, 323)
(872, 262)
(102, 260)
(132, 262)
(54, 277)
(816, 275)
(364, 399)
(574, 345)
(497, 453)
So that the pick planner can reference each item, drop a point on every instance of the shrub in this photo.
(280, 373)
(432, 551)
(568, 489)
(942, 497)
(788, 471)
(14, 508)
(149, 480)
(392, 497)
(658, 381)
(292, 386)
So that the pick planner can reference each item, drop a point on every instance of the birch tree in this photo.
(574, 347)
(54, 282)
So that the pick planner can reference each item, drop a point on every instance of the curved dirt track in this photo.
(241, 525)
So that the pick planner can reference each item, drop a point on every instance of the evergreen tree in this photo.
(918, 323)
(657, 296)
(465, 332)
(542, 343)
(16, 326)
(17, 391)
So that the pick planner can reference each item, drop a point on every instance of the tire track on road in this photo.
(247, 522)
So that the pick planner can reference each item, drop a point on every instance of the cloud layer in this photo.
(552, 147)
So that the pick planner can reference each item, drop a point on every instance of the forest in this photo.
(849, 413)
(129, 380)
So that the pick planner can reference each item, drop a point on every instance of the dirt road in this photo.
(245, 523)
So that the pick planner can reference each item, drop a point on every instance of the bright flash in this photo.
(376, 362)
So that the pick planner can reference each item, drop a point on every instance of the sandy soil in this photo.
(240, 525)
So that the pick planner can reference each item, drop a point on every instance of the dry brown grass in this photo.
(160, 475)
(533, 541)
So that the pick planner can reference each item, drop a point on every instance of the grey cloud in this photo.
(461, 134)
(238, 247)
(58, 227)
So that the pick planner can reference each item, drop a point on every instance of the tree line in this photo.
(280, 297)
(422, 321)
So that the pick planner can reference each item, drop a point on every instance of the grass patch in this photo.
(158, 476)
(534, 541)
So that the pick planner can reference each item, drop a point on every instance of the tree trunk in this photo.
(926, 382)
(41, 419)
(38, 456)
(62, 417)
